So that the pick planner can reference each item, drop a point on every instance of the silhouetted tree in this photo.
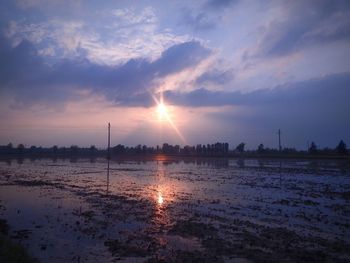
(261, 148)
(119, 149)
(74, 149)
(93, 148)
(341, 148)
(10, 146)
(226, 146)
(240, 147)
(55, 149)
(20, 148)
(33, 148)
(313, 148)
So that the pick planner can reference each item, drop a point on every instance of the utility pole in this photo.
(109, 141)
(279, 140)
(108, 154)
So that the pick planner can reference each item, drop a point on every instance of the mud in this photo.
(200, 211)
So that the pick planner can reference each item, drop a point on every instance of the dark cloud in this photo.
(207, 16)
(179, 57)
(215, 76)
(199, 21)
(306, 23)
(24, 72)
(219, 4)
(321, 101)
(311, 110)
(19, 62)
(317, 93)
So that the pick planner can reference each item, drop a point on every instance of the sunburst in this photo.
(162, 111)
(164, 115)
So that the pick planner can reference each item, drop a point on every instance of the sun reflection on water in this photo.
(160, 199)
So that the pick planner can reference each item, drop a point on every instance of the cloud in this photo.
(27, 4)
(27, 74)
(310, 110)
(317, 93)
(130, 18)
(215, 76)
(316, 109)
(180, 56)
(199, 21)
(109, 36)
(206, 16)
(304, 23)
(20, 63)
(219, 4)
(314, 97)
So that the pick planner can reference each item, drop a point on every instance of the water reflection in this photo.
(261, 163)
(163, 195)
(280, 173)
(160, 198)
(8, 162)
(241, 163)
(160, 178)
(166, 161)
(107, 190)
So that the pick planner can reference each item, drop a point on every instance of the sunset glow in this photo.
(215, 74)
(174, 131)
(162, 111)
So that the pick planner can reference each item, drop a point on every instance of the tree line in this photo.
(215, 149)
(20, 149)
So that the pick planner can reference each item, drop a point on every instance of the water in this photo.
(223, 210)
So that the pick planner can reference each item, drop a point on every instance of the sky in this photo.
(226, 70)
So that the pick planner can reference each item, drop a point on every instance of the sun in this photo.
(162, 111)
(166, 115)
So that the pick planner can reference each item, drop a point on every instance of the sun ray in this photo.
(163, 114)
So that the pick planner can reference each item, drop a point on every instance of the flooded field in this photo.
(193, 210)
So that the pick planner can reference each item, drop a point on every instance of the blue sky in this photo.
(228, 70)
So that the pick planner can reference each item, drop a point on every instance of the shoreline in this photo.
(167, 157)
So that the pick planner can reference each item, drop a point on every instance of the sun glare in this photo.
(162, 111)
(165, 115)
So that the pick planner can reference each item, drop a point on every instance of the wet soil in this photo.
(199, 211)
